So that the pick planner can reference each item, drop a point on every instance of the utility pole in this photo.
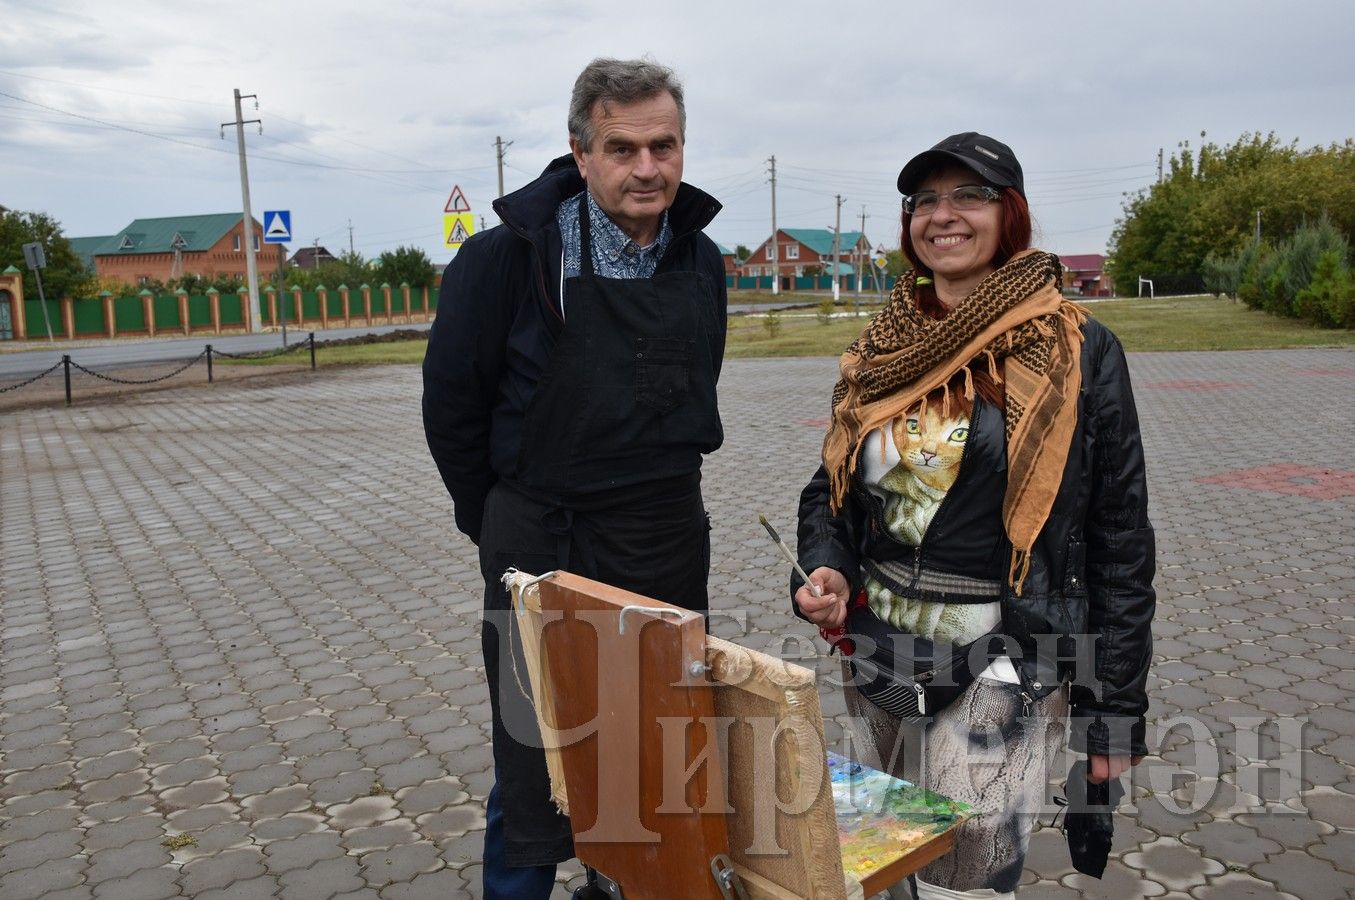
(1258, 226)
(499, 148)
(776, 251)
(350, 237)
(837, 245)
(251, 266)
(863, 259)
(1159, 165)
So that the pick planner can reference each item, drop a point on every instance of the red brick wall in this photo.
(221, 259)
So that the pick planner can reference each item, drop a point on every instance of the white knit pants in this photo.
(979, 750)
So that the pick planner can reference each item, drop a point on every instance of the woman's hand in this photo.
(829, 610)
(1101, 769)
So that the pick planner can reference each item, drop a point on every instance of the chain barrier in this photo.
(38, 377)
(192, 362)
(207, 353)
(263, 354)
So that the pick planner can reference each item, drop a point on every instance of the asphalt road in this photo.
(115, 353)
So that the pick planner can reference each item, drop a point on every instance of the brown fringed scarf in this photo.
(1017, 323)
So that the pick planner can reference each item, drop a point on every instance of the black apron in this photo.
(608, 488)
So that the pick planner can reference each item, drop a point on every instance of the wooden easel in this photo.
(694, 767)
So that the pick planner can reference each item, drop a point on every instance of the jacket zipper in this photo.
(540, 270)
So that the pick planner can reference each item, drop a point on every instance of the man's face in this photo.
(635, 164)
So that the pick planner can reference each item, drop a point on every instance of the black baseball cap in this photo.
(992, 159)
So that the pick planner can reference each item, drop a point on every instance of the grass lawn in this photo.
(1209, 323)
(1184, 323)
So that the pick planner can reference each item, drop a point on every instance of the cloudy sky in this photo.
(373, 111)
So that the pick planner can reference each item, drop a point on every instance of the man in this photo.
(569, 394)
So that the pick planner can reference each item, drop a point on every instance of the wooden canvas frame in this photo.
(783, 834)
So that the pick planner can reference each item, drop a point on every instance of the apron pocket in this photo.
(662, 367)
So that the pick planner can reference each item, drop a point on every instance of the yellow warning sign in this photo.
(457, 228)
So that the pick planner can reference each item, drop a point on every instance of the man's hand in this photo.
(829, 610)
(1101, 769)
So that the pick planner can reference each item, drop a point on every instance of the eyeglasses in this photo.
(966, 196)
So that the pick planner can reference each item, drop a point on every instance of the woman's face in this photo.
(957, 245)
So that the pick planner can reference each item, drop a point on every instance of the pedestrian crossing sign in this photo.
(277, 226)
(457, 228)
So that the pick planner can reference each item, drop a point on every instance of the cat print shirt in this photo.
(911, 464)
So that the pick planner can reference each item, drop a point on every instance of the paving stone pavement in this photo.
(239, 653)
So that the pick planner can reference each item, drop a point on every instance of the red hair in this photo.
(1014, 229)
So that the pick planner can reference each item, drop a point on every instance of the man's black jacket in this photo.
(1091, 567)
(498, 318)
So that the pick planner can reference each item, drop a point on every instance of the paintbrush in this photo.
(790, 557)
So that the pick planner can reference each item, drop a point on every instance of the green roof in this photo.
(724, 251)
(820, 240)
(86, 247)
(193, 233)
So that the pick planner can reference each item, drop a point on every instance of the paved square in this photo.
(239, 653)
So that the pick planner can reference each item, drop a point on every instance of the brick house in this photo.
(731, 264)
(1085, 275)
(174, 246)
(311, 258)
(806, 248)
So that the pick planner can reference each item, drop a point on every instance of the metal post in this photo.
(66, 364)
(311, 340)
(209, 363)
(282, 290)
(47, 319)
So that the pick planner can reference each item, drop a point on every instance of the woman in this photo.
(983, 472)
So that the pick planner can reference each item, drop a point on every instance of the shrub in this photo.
(1223, 273)
(1275, 298)
(1251, 288)
(1302, 251)
(1329, 299)
(825, 311)
(772, 322)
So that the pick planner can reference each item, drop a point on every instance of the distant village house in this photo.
(1085, 276)
(171, 247)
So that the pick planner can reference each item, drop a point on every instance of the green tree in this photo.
(1208, 202)
(741, 253)
(1329, 299)
(351, 269)
(896, 263)
(65, 275)
(408, 265)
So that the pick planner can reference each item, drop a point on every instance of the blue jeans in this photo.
(504, 882)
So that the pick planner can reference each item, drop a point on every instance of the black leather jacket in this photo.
(1091, 570)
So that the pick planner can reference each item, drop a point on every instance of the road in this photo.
(105, 354)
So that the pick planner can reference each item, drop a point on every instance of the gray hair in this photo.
(606, 80)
